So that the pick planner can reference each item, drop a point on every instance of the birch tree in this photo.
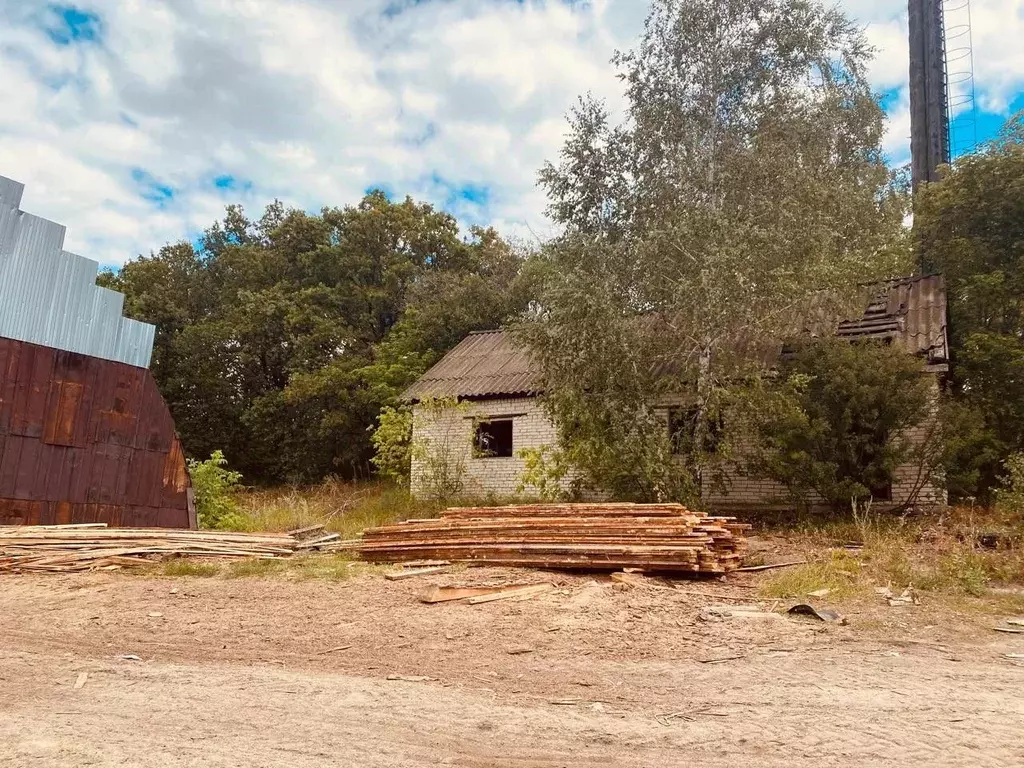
(744, 179)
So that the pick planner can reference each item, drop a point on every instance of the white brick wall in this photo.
(532, 429)
(488, 475)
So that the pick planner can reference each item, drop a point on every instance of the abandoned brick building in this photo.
(497, 385)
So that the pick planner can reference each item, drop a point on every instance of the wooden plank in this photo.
(411, 573)
(318, 542)
(436, 594)
(755, 568)
(506, 594)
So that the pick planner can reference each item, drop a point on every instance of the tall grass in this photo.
(959, 552)
(344, 508)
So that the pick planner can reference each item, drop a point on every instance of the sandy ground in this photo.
(251, 672)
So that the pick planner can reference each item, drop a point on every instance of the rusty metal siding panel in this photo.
(87, 440)
(49, 296)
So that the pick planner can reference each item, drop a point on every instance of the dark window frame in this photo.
(494, 438)
(682, 423)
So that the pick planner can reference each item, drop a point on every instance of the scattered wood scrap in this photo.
(410, 573)
(652, 537)
(507, 594)
(770, 566)
(476, 595)
(436, 594)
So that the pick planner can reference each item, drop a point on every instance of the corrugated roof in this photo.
(484, 364)
(910, 311)
(49, 296)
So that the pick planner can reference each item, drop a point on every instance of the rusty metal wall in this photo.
(84, 439)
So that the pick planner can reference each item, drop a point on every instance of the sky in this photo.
(134, 122)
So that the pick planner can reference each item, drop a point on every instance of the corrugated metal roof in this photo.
(49, 296)
(910, 311)
(484, 364)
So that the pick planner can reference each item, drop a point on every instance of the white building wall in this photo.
(452, 430)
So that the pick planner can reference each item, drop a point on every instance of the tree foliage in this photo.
(215, 487)
(746, 179)
(835, 422)
(280, 339)
(970, 227)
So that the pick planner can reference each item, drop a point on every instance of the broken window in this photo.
(493, 438)
(882, 492)
(682, 425)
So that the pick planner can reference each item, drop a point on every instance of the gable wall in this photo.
(453, 431)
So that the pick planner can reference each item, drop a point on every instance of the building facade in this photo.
(85, 436)
(498, 414)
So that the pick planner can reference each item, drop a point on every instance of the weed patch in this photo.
(185, 567)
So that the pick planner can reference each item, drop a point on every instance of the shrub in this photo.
(392, 442)
(440, 456)
(1011, 495)
(215, 486)
(833, 424)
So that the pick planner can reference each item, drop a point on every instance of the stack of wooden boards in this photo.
(656, 537)
(68, 548)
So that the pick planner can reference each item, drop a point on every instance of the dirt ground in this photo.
(272, 672)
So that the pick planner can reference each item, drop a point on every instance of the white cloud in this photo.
(313, 101)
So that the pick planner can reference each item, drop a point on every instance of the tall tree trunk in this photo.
(701, 422)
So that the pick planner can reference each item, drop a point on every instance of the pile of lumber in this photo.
(655, 537)
(89, 546)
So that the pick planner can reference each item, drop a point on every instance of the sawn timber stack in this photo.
(656, 537)
(91, 546)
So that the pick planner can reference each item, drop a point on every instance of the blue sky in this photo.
(134, 122)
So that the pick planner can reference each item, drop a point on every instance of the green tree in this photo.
(280, 339)
(215, 487)
(835, 422)
(970, 227)
(746, 179)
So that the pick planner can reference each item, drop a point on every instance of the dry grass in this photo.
(959, 553)
(333, 567)
(344, 508)
(188, 567)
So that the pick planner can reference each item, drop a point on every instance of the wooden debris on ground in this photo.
(476, 595)
(607, 536)
(89, 547)
(316, 538)
(514, 592)
(410, 573)
(770, 566)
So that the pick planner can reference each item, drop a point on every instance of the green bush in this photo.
(215, 486)
(1011, 495)
(392, 441)
(835, 422)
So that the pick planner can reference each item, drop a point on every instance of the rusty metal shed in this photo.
(85, 435)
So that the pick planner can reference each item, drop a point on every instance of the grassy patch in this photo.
(255, 567)
(343, 508)
(185, 567)
(837, 571)
(956, 553)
